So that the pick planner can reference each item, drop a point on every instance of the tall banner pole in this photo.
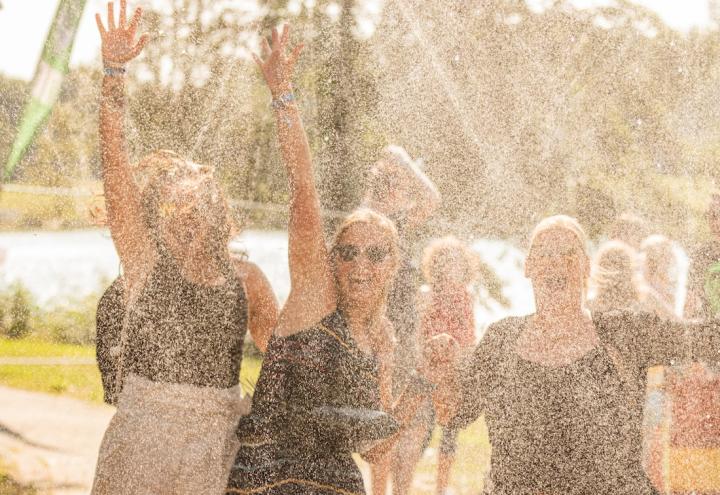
(49, 74)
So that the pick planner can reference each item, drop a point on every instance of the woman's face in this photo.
(557, 266)
(364, 264)
(184, 224)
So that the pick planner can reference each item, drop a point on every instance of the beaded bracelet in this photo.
(114, 71)
(282, 101)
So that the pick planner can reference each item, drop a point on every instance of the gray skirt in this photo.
(168, 438)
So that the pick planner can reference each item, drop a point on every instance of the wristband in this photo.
(114, 71)
(282, 101)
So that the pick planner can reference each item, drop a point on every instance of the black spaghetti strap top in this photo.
(182, 332)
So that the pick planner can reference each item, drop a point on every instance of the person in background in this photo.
(562, 390)
(614, 279)
(659, 267)
(446, 307)
(618, 285)
(703, 294)
(331, 353)
(185, 306)
(400, 190)
(694, 390)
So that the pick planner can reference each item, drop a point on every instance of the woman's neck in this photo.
(359, 322)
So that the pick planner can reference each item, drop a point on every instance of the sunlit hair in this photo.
(658, 257)
(442, 254)
(568, 224)
(615, 277)
(156, 175)
(563, 222)
(371, 217)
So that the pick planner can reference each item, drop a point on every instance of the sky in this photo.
(24, 25)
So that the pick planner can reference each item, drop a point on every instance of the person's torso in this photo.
(182, 332)
(450, 313)
(572, 429)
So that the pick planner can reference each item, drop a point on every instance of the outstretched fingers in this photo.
(140, 45)
(134, 22)
(294, 57)
(285, 35)
(275, 38)
(100, 26)
(123, 14)
(111, 16)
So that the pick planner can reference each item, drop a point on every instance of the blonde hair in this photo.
(562, 222)
(615, 277)
(163, 169)
(569, 224)
(441, 252)
(370, 217)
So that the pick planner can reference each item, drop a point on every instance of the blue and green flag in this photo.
(51, 70)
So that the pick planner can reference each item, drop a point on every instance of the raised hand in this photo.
(276, 65)
(118, 41)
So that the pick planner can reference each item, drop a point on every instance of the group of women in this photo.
(561, 390)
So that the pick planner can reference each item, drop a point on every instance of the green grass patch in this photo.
(31, 211)
(40, 348)
(78, 381)
(8, 486)
(471, 463)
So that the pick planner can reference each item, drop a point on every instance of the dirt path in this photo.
(51, 441)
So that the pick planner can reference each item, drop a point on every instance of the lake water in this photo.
(59, 267)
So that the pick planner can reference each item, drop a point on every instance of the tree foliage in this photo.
(517, 112)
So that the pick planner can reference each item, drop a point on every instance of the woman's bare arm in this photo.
(262, 304)
(122, 196)
(312, 288)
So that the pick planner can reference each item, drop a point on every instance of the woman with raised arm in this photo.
(326, 377)
(186, 307)
(562, 390)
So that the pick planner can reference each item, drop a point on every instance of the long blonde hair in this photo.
(371, 217)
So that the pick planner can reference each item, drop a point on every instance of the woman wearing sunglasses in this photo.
(562, 391)
(326, 376)
(186, 307)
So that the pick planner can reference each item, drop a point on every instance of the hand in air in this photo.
(118, 42)
(276, 65)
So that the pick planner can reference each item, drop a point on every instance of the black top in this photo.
(574, 429)
(402, 311)
(108, 325)
(181, 332)
(317, 400)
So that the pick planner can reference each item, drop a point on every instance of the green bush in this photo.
(72, 322)
(16, 312)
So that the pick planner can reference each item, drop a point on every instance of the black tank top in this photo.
(182, 332)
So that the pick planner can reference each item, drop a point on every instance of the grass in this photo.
(28, 211)
(78, 381)
(8, 486)
(83, 382)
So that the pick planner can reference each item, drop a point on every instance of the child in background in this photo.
(446, 307)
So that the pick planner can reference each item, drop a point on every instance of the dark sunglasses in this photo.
(348, 252)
